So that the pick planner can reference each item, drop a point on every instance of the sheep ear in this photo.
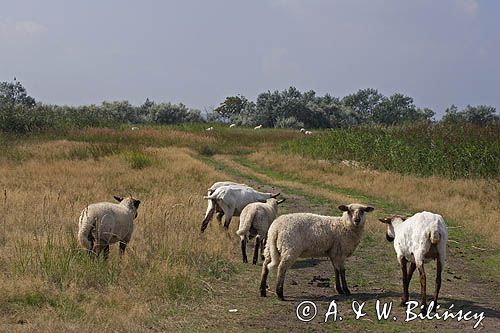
(385, 220)
(343, 208)
(280, 201)
(369, 209)
(137, 203)
(119, 199)
(275, 195)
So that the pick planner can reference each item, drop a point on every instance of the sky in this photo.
(198, 52)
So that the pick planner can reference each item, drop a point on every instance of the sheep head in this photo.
(390, 234)
(355, 213)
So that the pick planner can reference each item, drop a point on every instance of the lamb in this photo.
(232, 125)
(257, 127)
(418, 239)
(105, 223)
(308, 235)
(255, 219)
(232, 199)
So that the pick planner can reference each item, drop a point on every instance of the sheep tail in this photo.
(85, 230)
(271, 249)
(435, 236)
(208, 215)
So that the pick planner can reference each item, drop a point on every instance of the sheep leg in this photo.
(106, 252)
(123, 246)
(423, 286)
(337, 278)
(262, 247)
(208, 215)
(413, 266)
(263, 277)
(406, 283)
(227, 219)
(244, 249)
(282, 267)
(344, 282)
(219, 217)
(256, 250)
(439, 268)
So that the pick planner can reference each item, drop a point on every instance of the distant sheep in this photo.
(255, 219)
(105, 223)
(257, 127)
(232, 199)
(308, 133)
(134, 128)
(309, 235)
(232, 125)
(418, 239)
(209, 129)
(302, 130)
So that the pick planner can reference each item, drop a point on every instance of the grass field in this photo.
(173, 278)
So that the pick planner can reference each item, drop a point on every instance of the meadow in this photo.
(173, 278)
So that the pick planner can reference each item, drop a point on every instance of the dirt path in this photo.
(372, 273)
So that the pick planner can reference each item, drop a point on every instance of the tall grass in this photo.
(449, 150)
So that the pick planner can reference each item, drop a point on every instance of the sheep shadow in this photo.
(307, 263)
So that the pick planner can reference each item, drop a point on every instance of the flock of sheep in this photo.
(282, 240)
(302, 130)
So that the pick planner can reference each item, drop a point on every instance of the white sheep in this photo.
(308, 133)
(232, 199)
(418, 239)
(216, 185)
(255, 219)
(134, 128)
(209, 129)
(105, 223)
(257, 127)
(302, 130)
(232, 125)
(309, 235)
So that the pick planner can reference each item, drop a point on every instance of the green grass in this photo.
(449, 150)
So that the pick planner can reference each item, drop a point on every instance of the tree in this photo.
(364, 102)
(232, 106)
(13, 93)
(479, 115)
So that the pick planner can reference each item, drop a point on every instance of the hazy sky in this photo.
(198, 52)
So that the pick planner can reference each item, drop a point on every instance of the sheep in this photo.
(257, 127)
(302, 130)
(216, 185)
(210, 129)
(134, 128)
(232, 125)
(308, 235)
(105, 223)
(418, 239)
(308, 133)
(232, 199)
(255, 219)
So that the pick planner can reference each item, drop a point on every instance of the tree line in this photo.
(290, 108)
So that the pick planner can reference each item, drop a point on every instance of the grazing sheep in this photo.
(257, 127)
(232, 125)
(232, 199)
(418, 239)
(309, 235)
(255, 219)
(209, 129)
(308, 133)
(216, 185)
(105, 223)
(302, 130)
(134, 128)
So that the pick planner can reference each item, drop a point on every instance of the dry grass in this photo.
(49, 282)
(474, 204)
